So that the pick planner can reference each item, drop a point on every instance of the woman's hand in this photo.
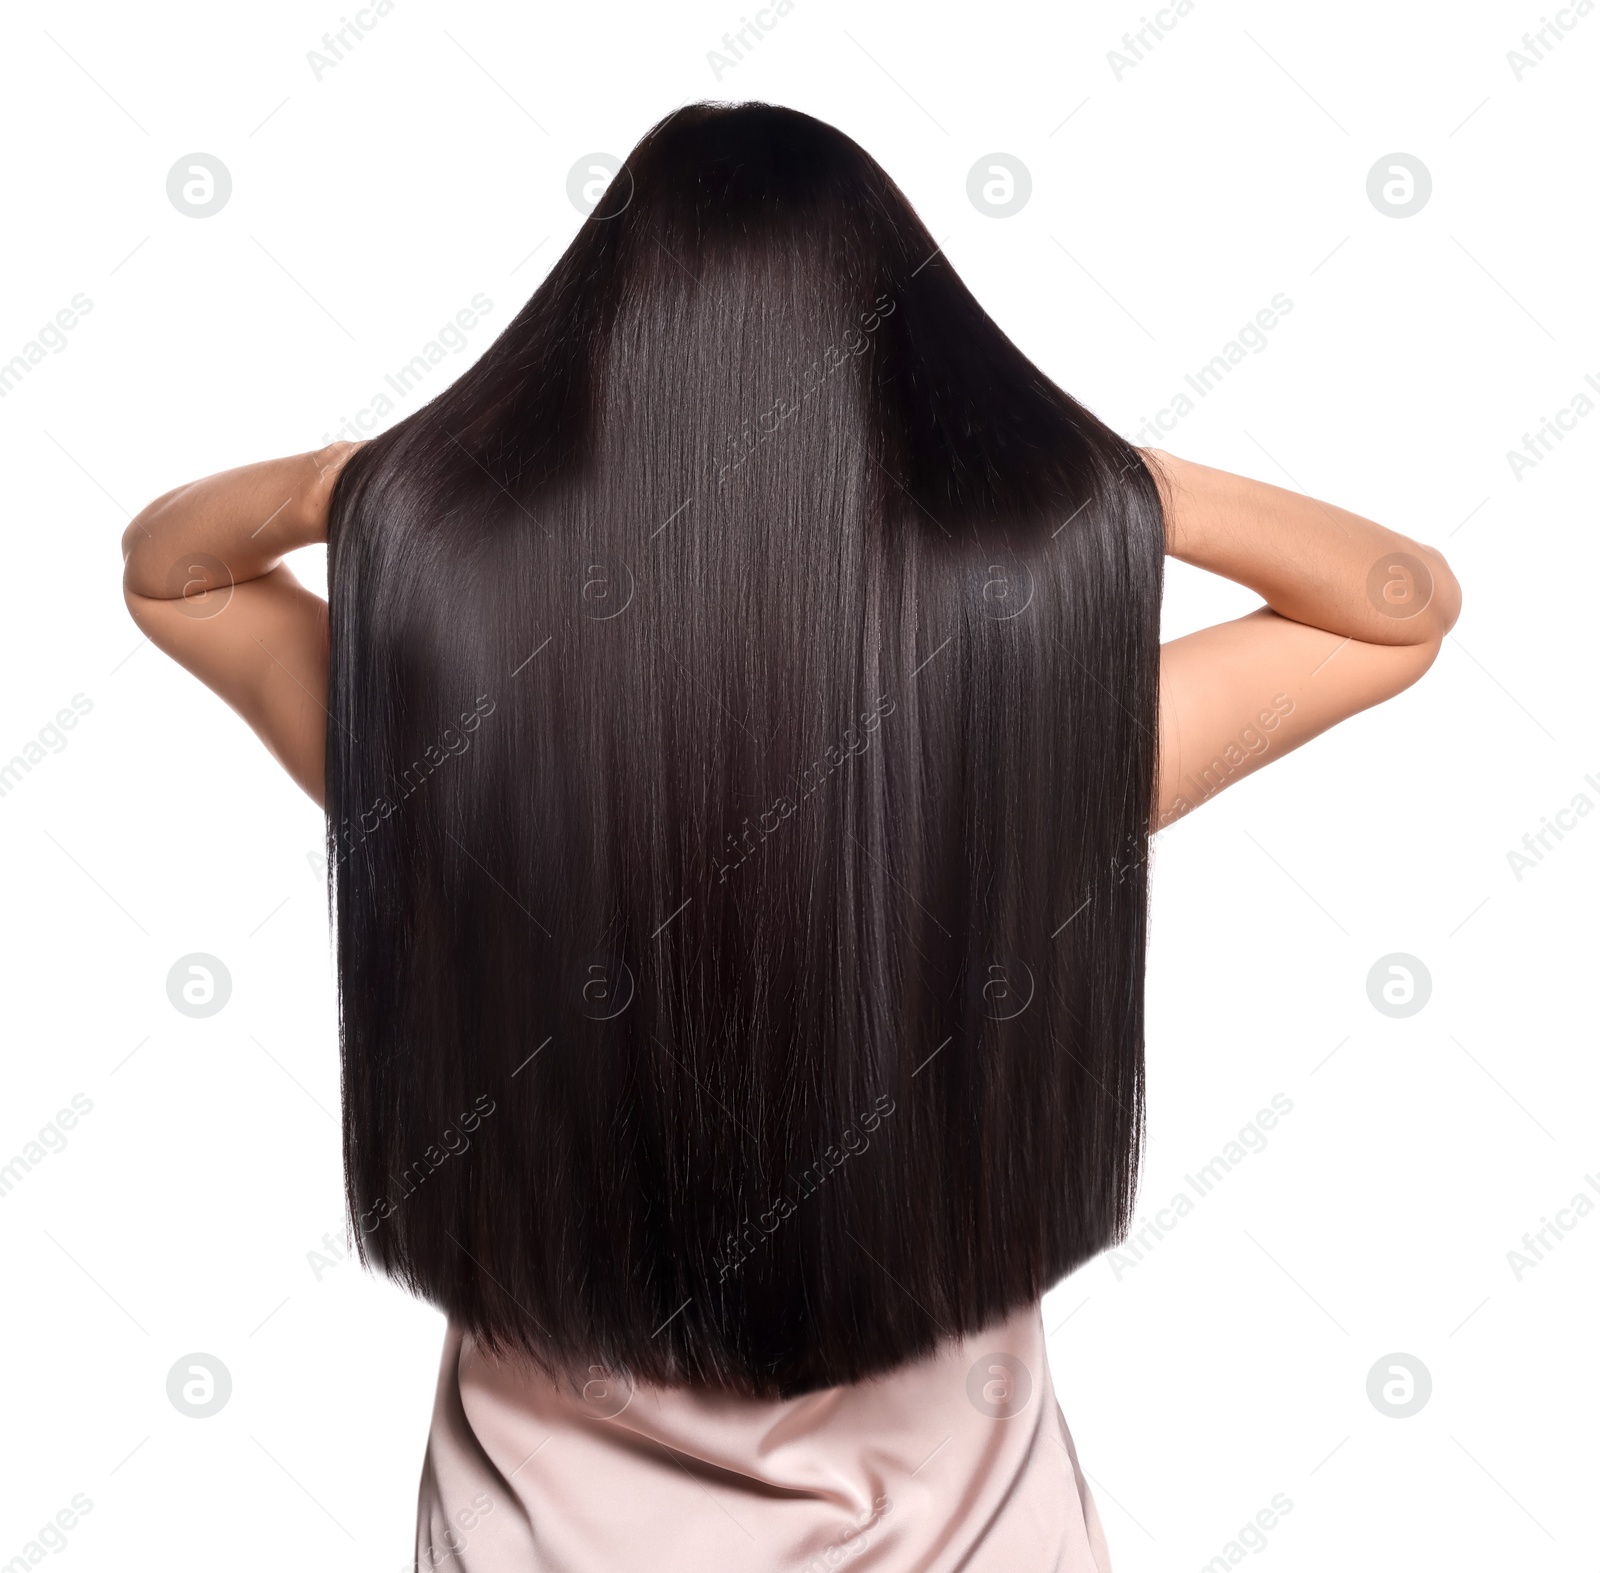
(330, 461)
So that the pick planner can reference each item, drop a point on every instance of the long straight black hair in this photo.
(740, 763)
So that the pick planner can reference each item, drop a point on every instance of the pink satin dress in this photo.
(958, 1461)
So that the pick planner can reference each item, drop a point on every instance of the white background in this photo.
(1227, 166)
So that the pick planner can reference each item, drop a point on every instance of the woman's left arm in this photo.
(204, 578)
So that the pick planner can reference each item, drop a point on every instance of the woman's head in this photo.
(785, 906)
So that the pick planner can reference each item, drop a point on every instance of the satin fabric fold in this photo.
(959, 1461)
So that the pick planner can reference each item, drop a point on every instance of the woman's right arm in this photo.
(1354, 614)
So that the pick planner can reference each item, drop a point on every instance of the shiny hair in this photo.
(740, 763)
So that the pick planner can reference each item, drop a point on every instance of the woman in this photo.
(741, 719)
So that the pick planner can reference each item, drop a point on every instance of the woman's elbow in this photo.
(1444, 601)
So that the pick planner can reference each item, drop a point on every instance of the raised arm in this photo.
(204, 578)
(1354, 614)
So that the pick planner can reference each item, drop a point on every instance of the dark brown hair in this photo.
(739, 776)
